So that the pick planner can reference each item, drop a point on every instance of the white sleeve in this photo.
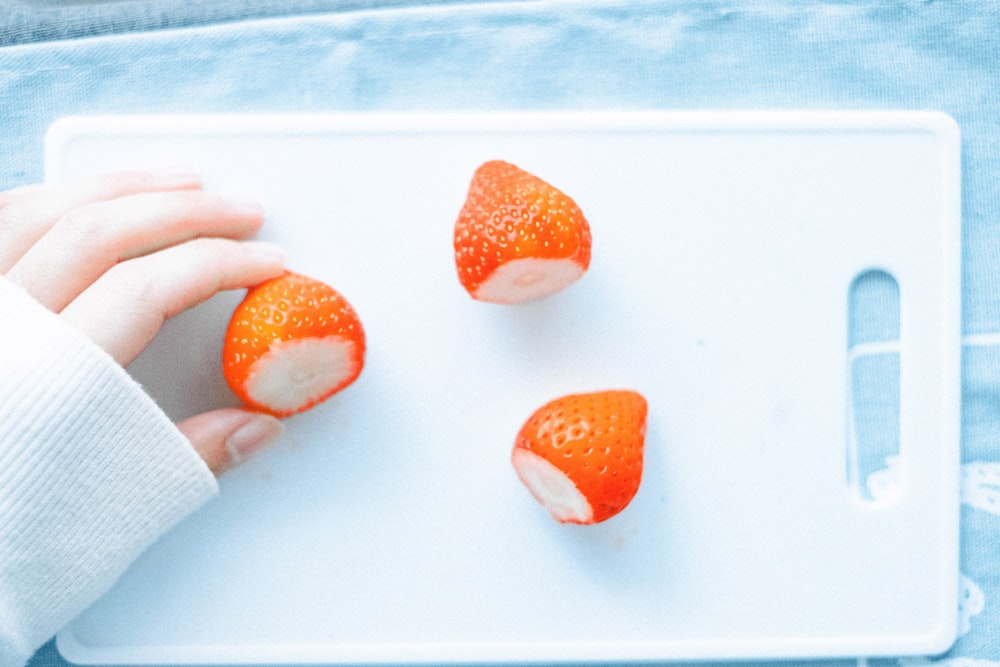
(91, 473)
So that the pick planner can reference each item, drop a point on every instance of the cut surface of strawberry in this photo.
(517, 237)
(292, 343)
(581, 455)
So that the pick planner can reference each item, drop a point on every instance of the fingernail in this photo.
(176, 177)
(259, 432)
(247, 207)
(271, 252)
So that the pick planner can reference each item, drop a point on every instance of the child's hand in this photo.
(118, 254)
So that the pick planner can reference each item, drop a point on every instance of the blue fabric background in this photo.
(716, 54)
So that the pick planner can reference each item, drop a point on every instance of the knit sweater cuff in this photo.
(91, 473)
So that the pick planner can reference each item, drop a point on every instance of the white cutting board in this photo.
(388, 525)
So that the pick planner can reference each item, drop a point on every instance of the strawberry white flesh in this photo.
(527, 279)
(297, 373)
(552, 488)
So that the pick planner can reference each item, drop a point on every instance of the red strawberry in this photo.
(517, 237)
(292, 342)
(581, 455)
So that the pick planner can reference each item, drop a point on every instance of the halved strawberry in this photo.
(581, 455)
(292, 342)
(517, 237)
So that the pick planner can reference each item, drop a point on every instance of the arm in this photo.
(91, 473)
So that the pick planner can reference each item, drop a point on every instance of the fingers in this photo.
(28, 213)
(225, 438)
(118, 254)
(124, 309)
(11, 195)
(86, 242)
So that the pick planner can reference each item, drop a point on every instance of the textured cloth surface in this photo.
(713, 54)
(91, 474)
(27, 21)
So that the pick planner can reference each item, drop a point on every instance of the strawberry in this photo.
(517, 237)
(292, 343)
(581, 455)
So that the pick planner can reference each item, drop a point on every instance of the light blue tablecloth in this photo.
(719, 54)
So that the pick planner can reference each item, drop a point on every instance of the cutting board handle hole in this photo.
(873, 387)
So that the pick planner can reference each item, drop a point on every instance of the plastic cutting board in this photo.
(388, 525)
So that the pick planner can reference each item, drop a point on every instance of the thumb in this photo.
(227, 437)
